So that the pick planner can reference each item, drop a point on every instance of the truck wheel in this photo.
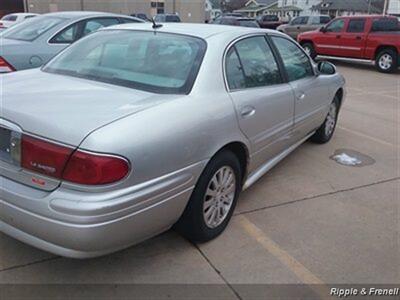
(386, 61)
(309, 48)
(325, 132)
(213, 200)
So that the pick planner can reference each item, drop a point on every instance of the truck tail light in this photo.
(5, 67)
(67, 164)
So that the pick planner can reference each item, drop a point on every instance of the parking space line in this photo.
(367, 136)
(305, 275)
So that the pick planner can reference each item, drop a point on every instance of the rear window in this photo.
(172, 19)
(249, 23)
(31, 29)
(155, 62)
(9, 18)
(356, 25)
(385, 24)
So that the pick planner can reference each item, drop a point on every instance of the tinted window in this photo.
(385, 24)
(296, 62)
(234, 72)
(31, 29)
(10, 18)
(67, 36)
(161, 63)
(96, 24)
(356, 25)
(270, 18)
(248, 23)
(300, 21)
(316, 20)
(335, 26)
(126, 20)
(257, 62)
(172, 19)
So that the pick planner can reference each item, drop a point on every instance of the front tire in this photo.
(213, 200)
(386, 61)
(327, 129)
(310, 50)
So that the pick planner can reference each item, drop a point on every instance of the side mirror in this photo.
(323, 29)
(326, 68)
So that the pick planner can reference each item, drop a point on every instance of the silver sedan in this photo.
(35, 41)
(134, 130)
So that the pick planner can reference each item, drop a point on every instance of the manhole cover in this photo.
(352, 158)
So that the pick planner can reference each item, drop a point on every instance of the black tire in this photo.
(192, 224)
(311, 49)
(388, 53)
(322, 136)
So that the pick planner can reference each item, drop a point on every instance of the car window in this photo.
(159, 18)
(31, 29)
(296, 21)
(95, 24)
(325, 19)
(172, 19)
(234, 72)
(29, 16)
(257, 62)
(356, 25)
(386, 24)
(304, 20)
(9, 18)
(335, 26)
(160, 63)
(67, 36)
(316, 20)
(126, 20)
(296, 62)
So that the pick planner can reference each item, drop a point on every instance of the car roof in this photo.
(22, 14)
(203, 31)
(81, 14)
(365, 16)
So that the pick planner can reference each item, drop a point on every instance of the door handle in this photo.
(247, 111)
(301, 96)
(338, 36)
(358, 37)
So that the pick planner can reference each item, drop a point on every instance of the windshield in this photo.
(32, 28)
(9, 18)
(155, 62)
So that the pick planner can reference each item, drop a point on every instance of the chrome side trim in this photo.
(359, 60)
(271, 163)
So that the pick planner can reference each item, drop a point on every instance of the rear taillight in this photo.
(77, 166)
(44, 157)
(5, 67)
(95, 169)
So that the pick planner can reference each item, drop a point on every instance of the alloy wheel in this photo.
(331, 119)
(219, 196)
(385, 61)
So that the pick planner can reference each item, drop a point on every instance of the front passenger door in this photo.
(264, 103)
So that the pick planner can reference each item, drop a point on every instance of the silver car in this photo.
(134, 129)
(303, 24)
(35, 41)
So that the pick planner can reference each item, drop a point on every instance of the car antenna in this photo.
(155, 25)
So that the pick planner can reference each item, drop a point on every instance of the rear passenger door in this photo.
(354, 38)
(264, 102)
(311, 91)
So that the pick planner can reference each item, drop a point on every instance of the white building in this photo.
(304, 5)
(394, 7)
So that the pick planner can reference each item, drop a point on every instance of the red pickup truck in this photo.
(366, 38)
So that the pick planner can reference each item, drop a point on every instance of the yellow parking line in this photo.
(367, 136)
(305, 275)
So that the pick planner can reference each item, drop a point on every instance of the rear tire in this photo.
(309, 48)
(327, 129)
(211, 204)
(386, 61)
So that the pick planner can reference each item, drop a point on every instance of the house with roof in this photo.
(336, 8)
(254, 8)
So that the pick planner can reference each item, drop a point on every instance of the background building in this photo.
(394, 7)
(336, 8)
(188, 10)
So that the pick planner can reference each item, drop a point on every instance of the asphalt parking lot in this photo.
(309, 220)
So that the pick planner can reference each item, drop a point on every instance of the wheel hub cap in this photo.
(330, 120)
(219, 196)
(386, 61)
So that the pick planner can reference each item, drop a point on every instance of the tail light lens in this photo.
(5, 67)
(66, 164)
(94, 169)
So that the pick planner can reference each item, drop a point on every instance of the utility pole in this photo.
(385, 7)
(82, 5)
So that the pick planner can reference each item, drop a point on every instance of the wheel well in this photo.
(242, 153)
(339, 93)
(383, 47)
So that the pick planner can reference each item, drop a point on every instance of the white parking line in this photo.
(368, 137)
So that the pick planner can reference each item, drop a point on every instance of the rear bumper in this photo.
(96, 224)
